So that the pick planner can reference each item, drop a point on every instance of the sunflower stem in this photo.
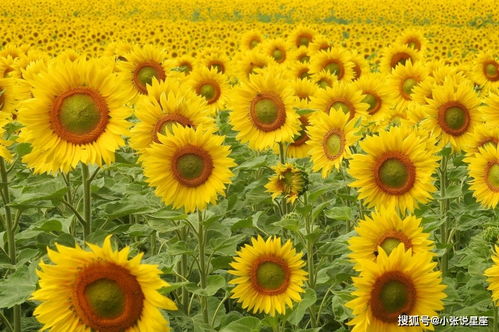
(6, 322)
(87, 202)
(202, 265)
(443, 214)
(10, 230)
(310, 258)
(183, 269)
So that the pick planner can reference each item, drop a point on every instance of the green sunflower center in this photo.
(413, 44)
(186, 68)
(304, 58)
(253, 43)
(270, 275)
(208, 91)
(278, 55)
(323, 83)
(408, 85)
(389, 244)
(394, 296)
(341, 105)
(146, 74)
(168, 127)
(333, 144)
(393, 173)
(304, 74)
(266, 111)
(190, 166)
(333, 68)
(106, 298)
(491, 70)
(371, 100)
(493, 176)
(303, 40)
(79, 114)
(455, 117)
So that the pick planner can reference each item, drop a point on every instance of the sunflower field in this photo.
(244, 166)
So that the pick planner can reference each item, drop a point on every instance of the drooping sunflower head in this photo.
(288, 181)
(396, 172)
(360, 65)
(400, 283)
(263, 111)
(100, 290)
(323, 79)
(483, 168)
(300, 70)
(79, 119)
(269, 276)
(320, 43)
(301, 54)
(385, 229)
(189, 168)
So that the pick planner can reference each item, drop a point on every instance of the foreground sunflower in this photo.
(263, 111)
(288, 181)
(492, 274)
(330, 136)
(269, 276)
(100, 290)
(396, 284)
(484, 169)
(188, 167)
(396, 172)
(385, 229)
(76, 115)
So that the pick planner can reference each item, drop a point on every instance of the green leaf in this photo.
(339, 213)
(17, 287)
(308, 300)
(246, 324)
(213, 284)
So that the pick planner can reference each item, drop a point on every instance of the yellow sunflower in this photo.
(483, 167)
(100, 290)
(170, 104)
(188, 167)
(490, 109)
(213, 58)
(386, 229)
(263, 111)
(396, 284)
(288, 181)
(320, 43)
(413, 38)
(250, 40)
(76, 115)
(485, 71)
(277, 49)
(396, 172)
(299, 70)
(397, 55)
(336, 61)
(404, 79)
(380, 98)
(302, 36)
(453, 113)
(330, 136)
(269, 276)
(484, 134)
(323, 79)
(360, 65)
(7, 66)
(12, 92)
(492, 274)
(210, 85)
(250, 62)
(300, 54)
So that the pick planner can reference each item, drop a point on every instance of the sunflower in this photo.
(485, 71)
(490, 110)
(100, 290)
(492, 274)
(413, 38)
(269, 276)
(299, 147)
(484, 134)
(263, 111)
(118, 50)
(300, 54)
(404, 79)
(380, 98)
(386, 229)
(185, 64)
(210, 85)
(331, 135)
(288, 181)
(336, 61)
(453, 113)
(396, 172)
(299, 70)
(396, 284)
(188, 167)
(251, 61)
(397, 55)
(302, 36)
(7, 67)
(277, 49)
(11, 93)
(213, 58)
(170, 104)
(79, 119)
(323, 79)
(142, 65)
(360, 65)
(320, 43)
(483, 167)
(341, 95)
(250, 40)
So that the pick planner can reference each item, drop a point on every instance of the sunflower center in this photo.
(491, 70)
(302, 136)
(399, 58)
(278, 55)
(455, 117)
(210, 92)
(414, 43)
(304, 58)
(333, 68)
(389, 244)
(105, 297)
(408, 85)
(144, 74)
(373, 103)
(218, 66)
(267, 112)
(493, 177)
(303, 40)
(340, 105)
(304, 74)
(270, 275)
(254, 43)
(79, 116)
(394, 295)
(324, 83)
(185, 67)
(192, 166)
(166, 123)
(333, 144)
(393, 173)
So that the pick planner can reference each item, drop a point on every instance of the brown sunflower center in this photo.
(192, 166)
(493, 177)
(395, 173)
(491, 70)
(356, 71)
(79, 115)
(414, 43)
(491, 141)
(107, 297)
(304, 58)
(399, 58)
(253, 43)
(333, 144)
(453, 118)
(218, 66)
(270, 275)
(166, 123)
(267, 112)
(334, 68)
(303, 40)
(210, 91)
(373, 101)
(278, 55)
(393, 293)
(407, 87)
(145, 72)
(302, 136)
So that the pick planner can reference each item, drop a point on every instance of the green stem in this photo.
(202, 265)
(444, 205)
(10, 230)
(310, 258)
(5, 321)
(87, 202)
(183, 269)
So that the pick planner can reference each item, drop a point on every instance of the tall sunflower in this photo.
(76, 115)
(288, 181)
(269, 276)
(396, 284)
(385, 229)
(331, 135)
(188, 167)
(263, 111)
(396, 172)
(100, 290)
(483, 167)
